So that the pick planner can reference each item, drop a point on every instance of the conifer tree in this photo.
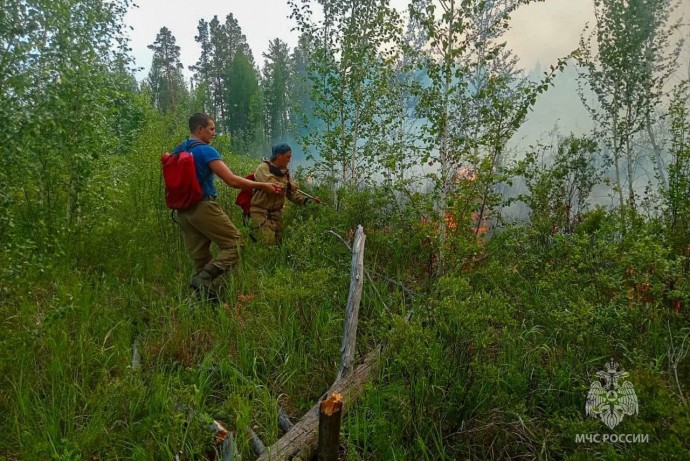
(202, 69)
(301, 104)
(225, 41)
(245, 105)
(165, 77)
(276, 84)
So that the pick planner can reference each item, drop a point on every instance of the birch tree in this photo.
(57, 75)
(473, 99)
(625, 60)
(350, 53)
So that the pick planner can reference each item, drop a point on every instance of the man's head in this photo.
(202, 127)
(281, 155)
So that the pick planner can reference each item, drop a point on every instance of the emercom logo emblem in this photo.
(611, 397)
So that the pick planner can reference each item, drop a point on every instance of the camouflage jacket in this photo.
(275, 202)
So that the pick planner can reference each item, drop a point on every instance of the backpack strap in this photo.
(192, 144)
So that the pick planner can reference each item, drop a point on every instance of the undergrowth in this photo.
(491, 358)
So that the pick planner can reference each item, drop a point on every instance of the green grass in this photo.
(494, 363)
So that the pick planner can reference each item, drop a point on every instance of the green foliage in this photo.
(489, 356)
(677, 195)
(471, 98)
(351, 54)
(105, 354)
(220, 43)
(68, 101)
(165, 79)
(277, 77)
(502, 356)
(625, 61)
(245, 120)
(559, 186)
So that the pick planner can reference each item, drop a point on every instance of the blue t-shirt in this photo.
(203, 154)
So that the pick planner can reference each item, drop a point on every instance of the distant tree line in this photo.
(253, 107)
(425, 99)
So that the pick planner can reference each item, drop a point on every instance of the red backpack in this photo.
(244, 198)
(182, 189)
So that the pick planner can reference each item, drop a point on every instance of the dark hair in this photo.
(197, 120)
(279, 149)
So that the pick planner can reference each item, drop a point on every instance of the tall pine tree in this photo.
(301, 103)
(165, 77)
(245, 105)
(276, 84)
(224, 41)
(203, 70)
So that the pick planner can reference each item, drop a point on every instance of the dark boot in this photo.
(201, 282)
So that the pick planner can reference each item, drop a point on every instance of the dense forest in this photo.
(493, 328)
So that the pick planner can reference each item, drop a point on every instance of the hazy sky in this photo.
(540, 32)
(260, 20)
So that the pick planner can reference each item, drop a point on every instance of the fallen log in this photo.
(301, 440)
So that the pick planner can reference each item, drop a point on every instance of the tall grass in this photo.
(494, 363)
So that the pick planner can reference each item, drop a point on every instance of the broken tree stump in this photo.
(225, 442)
(302, 439)
(330, 414)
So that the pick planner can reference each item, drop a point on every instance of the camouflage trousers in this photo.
(266, 226)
